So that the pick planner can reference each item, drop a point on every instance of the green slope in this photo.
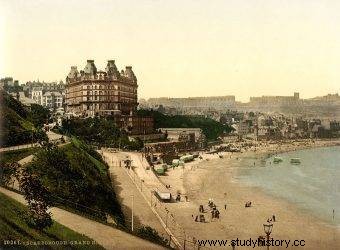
(77, 179)
(20, 125)
(13, 227)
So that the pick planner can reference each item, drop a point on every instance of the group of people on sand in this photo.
(215, 213)
(178, 197)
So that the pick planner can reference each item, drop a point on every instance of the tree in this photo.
(35, 192)
(38, 115)
(37, 197)
(7, 173)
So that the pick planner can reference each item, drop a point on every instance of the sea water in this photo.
(313, 185)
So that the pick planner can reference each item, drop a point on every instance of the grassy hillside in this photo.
(16, 155)
(19, 125)
(211, 128)
(77, 178)
(14, 227)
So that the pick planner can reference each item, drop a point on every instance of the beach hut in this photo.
(186, 158)
(295, 161)
(277, 159)
(177, 162)
(160, 170)
(163, 195)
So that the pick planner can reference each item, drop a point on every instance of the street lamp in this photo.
(268, 229)
(166, 221)
(233, 245)
(132, 212)
(141, 184)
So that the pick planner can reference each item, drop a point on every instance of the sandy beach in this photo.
(216, 178)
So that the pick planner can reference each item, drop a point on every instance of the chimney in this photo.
(111, 68)
(129, 73)
(90, 67)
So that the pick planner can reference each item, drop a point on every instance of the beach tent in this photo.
(177, 162)
(164, 196)
(187, 158)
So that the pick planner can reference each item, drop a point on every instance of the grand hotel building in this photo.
(91, 92)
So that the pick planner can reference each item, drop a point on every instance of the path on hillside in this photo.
(104, 235)
(50, 134)
(23, 146)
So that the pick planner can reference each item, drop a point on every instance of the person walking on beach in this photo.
(274, 219)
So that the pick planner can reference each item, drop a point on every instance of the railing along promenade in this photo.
(176, 233)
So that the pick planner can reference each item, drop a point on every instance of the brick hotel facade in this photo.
(91, 92)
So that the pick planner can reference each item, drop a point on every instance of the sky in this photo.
(179, 48)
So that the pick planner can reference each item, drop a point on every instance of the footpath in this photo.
(106, 236)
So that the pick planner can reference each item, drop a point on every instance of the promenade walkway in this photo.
(125, 189)
(147, 183)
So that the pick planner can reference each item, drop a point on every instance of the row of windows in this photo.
(112, 99)
(102, 106)
(113, 87)
(106, 92)
(101, 87)
(101, 93)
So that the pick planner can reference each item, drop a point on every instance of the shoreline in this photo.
(202, 179)
(264, 156)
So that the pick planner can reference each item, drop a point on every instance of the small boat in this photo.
(278, 159)
(295, 161)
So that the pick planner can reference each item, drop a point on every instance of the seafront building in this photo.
(52, 100)
(218, 102)
(275, 100)
(51, 95)
(110, 92)
(44, 86)
(91, 92)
